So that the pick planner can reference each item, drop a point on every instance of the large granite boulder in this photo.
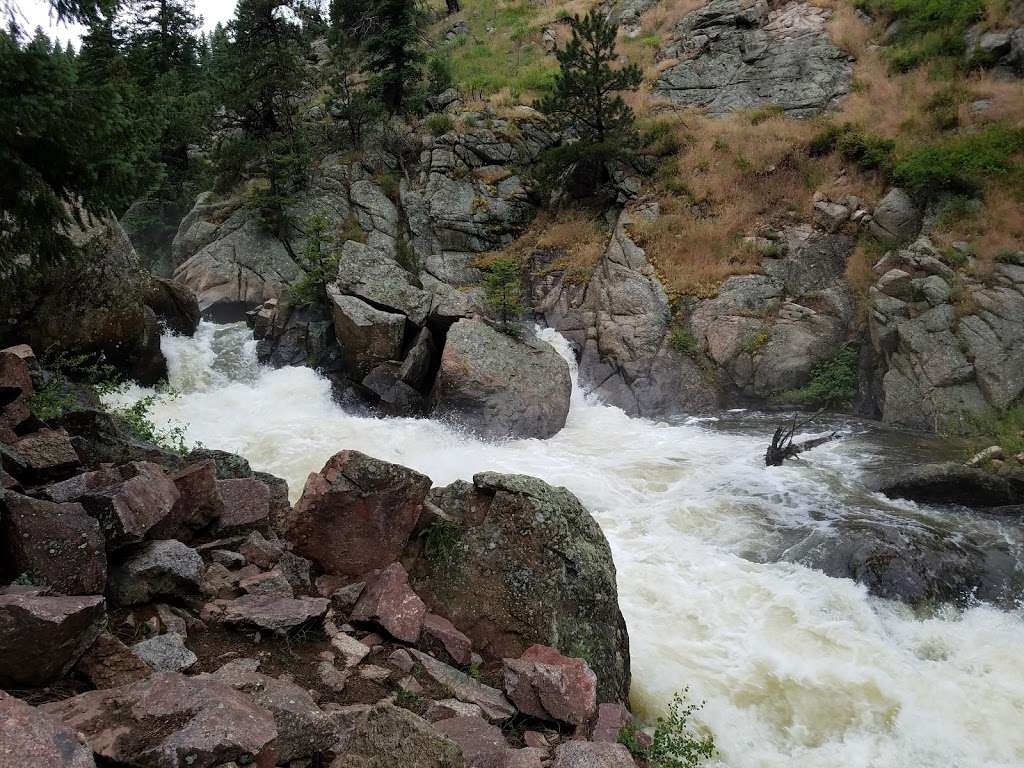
(529, 565)
(175, 305)
(169, 720)
(357, 513)
(740, 54)
(41, 637)
(896, 217)
(499, 386)
(92, 304)
(31, 737)
(368, 336)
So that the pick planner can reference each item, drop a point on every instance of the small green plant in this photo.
(661, 139)
(439, 124)
(474, 670)
(442, 541)
(676, 744)
(762, 114)
(389, 184)
(754, 341)
(1002, 427)
(411, 700)
(138, 418)
(439, 73)
(503, 285)
(682, 341)
(833, 382)
(54, 396)
(866, 151)
(628, 738)
(406, 256)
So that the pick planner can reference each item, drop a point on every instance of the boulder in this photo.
(368, 336)
(439, 634)
(174, 304)
(357, 513)
(260, 551)
(165, 653)
(31, 738)
(492, 702)
(378, 280)
(545, 684)
(303, 729)
(389, 602)
(156, 569)
(42, 637)
(109, 663)
(57, 545)
(952, 483)
(269, 583)
(590, 754)
(246, 503)
(386, 736)
(484, 745)
(128, 501)
(278, 614)
(498, 386)
(47, 454)
(199, 502)
(172, 721)
(533, 567)
(92, 305)
(896, 217)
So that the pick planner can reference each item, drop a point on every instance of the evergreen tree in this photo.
(585, 99)
(161, 37)
(394, 49)
(67, 146)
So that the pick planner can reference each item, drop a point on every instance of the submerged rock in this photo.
(952, 483)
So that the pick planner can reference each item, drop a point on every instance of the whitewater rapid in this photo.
(797, 669)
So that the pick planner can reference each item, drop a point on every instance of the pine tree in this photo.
(585, 99)
(161, 37)
(394, 49)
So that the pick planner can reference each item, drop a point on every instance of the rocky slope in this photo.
(163, 611)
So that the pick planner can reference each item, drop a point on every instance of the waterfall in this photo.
(797, 669)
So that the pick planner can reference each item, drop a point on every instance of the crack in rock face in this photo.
(739, 54)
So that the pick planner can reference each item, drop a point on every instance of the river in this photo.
(797, 669)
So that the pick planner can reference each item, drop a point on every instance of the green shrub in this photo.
(675, 743)
(138, 418)
(318, 260)
(439, 124)
(661, 139)
(54, 395)
(754, 341)
(962, 164)
(866, 151)
(628, 739)
(1004, 428)
(503, 284)
(442, 541)
(833, 382)
(683, 341)
(389, 183)
(927, 29)
(440, 76)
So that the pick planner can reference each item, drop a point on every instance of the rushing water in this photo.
(796, 668)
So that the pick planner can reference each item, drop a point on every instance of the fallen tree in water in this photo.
(783, 447)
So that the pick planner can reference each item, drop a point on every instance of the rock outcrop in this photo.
(740, 54)
(93, 304)
(621, 324)
(945, 344)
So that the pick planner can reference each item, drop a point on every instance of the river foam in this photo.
(798, 670)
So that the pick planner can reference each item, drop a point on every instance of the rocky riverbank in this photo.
(166, 610)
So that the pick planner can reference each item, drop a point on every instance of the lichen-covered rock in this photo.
(375, 278)
(386, 736)
(31, 738)
(530, 566)
(41, 637)
(171, 721)
(357, 513)
(56, 545)
(165, 653)
(736, 54)
(498, 386)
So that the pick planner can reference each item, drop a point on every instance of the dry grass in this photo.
(579, 236)
(733, 178)
(996, 228)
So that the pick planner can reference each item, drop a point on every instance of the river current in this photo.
(797, 669)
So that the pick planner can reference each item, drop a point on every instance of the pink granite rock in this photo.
(389, 602)
(544, 683)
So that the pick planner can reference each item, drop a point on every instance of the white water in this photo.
(796, 668)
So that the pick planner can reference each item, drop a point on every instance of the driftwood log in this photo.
(783, 447)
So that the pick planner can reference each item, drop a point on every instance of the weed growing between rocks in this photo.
(1004, 428)
(833, 382)
(676, 743)
(442, 541)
